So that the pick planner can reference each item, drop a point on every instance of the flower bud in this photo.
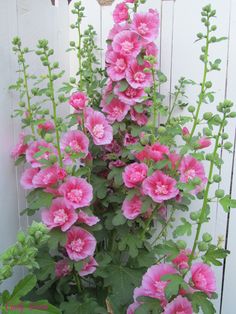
(232, 114)
(217, 178)
(224, 136)
(219, 193)
(202, 246)
(206, 237)
(228, 145)
(191, 109)
(208, 84)
(181, 244)
(48, 138)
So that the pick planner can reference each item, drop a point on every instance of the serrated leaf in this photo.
(38, 199)
(185, 228)
(200, 300)
(227, 202)
(213, 255)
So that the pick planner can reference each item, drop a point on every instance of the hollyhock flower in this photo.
(139, 117)
(136, 75)
(190, 168)
(78, 100)
(35, 148)
(204, 142)
(116, 164)
(86, 219)
(76, 141)
(143, 155)
(59, 215)
(116, 65)
(98, 127)
(116, 110)
(132, 208)
(203, 278)
(62, 268)
(116, 29)
(48, 176)
(130, 96)
(121, 13)
(113, 147)
(185, 131)
(179, 305)
(80, 244)
(160, 187)
(132, 307)
(146, 25)
(47, 126)
(20, 148)
(151, 50)
(157, 152)
(129, 139)
(26, 179)
(181, 260)
(134, 174)
(174, 159)
(89, 267)
(127, 43)
(77, 192)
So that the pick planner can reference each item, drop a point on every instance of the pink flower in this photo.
(78, 100)
(59, 215)
(116, 65)
(129, 139)
(185, 131)
(204, 142)
(130, 96)
(99, 128)
(45, 149)
(139, 117)
(77, 192)
(203, 278)
(151, 50)
(146, 25)
(158, 152)
(113, 147)
(121, 13)
(179, 305)
(132, 208)
(89, 267)
(86, 219)
(116, 164)
(80, 244)
(160, 187)
(190, 168)
(48, 176)
(20, 148)
(47, 126)
(117, 28)
(76, 141)
(127, 43)
(137, 77)
(62, 268)
(181, 260)
(134, 174)
(26, 179)
(116, 110)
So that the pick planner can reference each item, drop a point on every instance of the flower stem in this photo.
(155, 104)
(79, 55)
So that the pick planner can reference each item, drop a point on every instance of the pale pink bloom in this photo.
(99, 128)
(78, 100)
(20, 148)
(160, 187)
(137, 77)
(132, 307)
(80, 244)
(134, 174)
(139, 117)
(26, 179)
(130, 139)
(36, 147)
(77, 192)
(116, 29)
(132, 208)
(130, 96)
(86, 219)
(191, 168)
(116, 110)
(59, 215)
(151, 50)
(185, 131)
(203, 278)
(181, 260)
(47, 126)
(127, 43)
(146, 25)
(62, 268)
(158, 152)
(88, 267)
(76, 141)
(204, 142)
(48, 176)
(116, 65)
(179, 305)
(121, 13)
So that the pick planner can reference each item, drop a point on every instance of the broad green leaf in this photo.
(23, 287)
(149, 305)
(185, 228)
(199, 301)
(168, 248)
(175, 283)
(38, 199)
(213, 255)
(227, 202)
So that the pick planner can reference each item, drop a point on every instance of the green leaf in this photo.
(20, 160)
(99, 186)
(227, 202)
(123, 85)
(38, 199)
(23, 287)
(46, 265)
(213, 255)
(168, 248)
(185, 228)
(149, 305)
(199, 301)
(175, 283)
(56, 237)
(119, 219)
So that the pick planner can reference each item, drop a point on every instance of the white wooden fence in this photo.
(179, 56)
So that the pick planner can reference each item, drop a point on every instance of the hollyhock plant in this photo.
(134, 174)
(86, 219)
(204, 142)
(130, 95)
(132, 208)
(116, 110)
(121, 13)
(48, 176)
(37, 147)
(75, 142)
(27, 176)
(203, 278)
(179, 305)
(78, 100)
(116, 65)
(47, 126)
(127, 43)
(62, 268)
(20, 148)
(88, 267)
(136, 75)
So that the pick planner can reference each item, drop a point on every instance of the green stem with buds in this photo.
(79, 54)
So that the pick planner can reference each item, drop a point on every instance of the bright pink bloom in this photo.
(127, 43)
(203, 278)
(137, 77)
(86, 219)
(20, 148)
(191, 168)
(99, 128)
(26, 179)
(129, 139)
(48, 176)
(132, 208)
(62, 268)
(47, 126)
(59, 215)
(179, 305)
(121, 13)
(116, 65)
(76, 141)
(204, 142)
(160, 187)
(181, 260)
(130, 96)
(151, 50)
(89, 267)
(158, 152)
(36, 147)
(80, 244)
(116, 110)
(77, 192)
(134, 174)
(139, 117)
(174, 159)
(146, 25)
(78, 100)
(117, 28)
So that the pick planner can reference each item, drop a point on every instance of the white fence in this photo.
(179, 56)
